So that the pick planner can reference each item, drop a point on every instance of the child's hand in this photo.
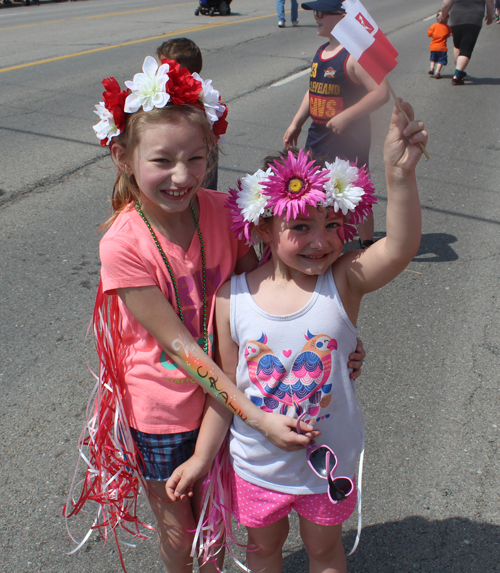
(281, 431)
(338, 123)
(180, 484)
(291, 136)
(401, 148)
(356, 359)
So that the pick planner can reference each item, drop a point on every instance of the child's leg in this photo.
(269, 540)
(197, 504)
(173, 522)
(324, 547)
(438, 68)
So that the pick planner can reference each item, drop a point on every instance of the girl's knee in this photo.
(174, 540)
(324, 552)
(268, 540)
(322, 543)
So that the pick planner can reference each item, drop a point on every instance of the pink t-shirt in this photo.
(159, 398)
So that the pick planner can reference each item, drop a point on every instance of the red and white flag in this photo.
(367, 44)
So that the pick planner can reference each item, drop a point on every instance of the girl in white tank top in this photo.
(285, 331)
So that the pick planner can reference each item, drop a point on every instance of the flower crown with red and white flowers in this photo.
(157, 86)
(292, 183)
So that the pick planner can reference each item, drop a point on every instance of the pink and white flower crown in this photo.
(157, 86)
(292, 183)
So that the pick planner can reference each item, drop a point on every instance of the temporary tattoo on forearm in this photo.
(203, 371)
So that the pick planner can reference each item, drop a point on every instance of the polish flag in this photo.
(367, 44)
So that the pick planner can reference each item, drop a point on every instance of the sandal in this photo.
(438, 76)
(457, 81)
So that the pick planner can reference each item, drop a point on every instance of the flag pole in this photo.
(398, 103)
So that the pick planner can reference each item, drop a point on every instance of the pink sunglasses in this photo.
(320, 460)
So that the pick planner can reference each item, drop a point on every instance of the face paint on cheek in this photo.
(341, 234)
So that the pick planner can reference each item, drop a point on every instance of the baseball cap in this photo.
(324, 5)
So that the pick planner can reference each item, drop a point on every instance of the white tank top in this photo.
(288, 365)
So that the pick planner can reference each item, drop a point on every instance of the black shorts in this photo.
(465, 37)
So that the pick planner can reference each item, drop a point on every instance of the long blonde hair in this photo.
(125, 190)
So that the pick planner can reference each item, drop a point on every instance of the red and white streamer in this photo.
(112, 478)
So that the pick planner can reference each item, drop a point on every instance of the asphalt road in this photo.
(429, 389)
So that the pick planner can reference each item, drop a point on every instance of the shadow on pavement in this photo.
(434, 247)
(417, 544)
(437, 245)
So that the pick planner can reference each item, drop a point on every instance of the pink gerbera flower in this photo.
(296, 183)
(241, 228)
(364, 208)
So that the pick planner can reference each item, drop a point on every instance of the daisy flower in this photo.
(106, 128)
(110, 111)
(210, 98)
(341, 191)
(148, 89)
(251, 199)
(296, 182)
(248, 203)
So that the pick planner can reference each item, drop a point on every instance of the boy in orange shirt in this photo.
(439, 50)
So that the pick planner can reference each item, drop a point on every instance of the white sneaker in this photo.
(295, 23)
(281, 24)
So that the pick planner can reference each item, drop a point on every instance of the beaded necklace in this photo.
(172, 278)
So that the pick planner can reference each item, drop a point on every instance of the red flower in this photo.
(114, 100)
(181, 85)
(220, 126)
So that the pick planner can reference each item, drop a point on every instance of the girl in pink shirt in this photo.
(168, 249)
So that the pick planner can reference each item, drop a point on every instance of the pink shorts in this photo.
(255, 506)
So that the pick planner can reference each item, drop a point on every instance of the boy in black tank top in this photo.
(339, 101)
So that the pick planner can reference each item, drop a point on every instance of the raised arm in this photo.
(154, 312)
(388, 257)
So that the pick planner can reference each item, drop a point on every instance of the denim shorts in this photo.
(440, 58)
(162, 453)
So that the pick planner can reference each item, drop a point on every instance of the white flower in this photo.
(251, 201)
(211, 99)
(106, 128)
(340, 191)
(148, 89)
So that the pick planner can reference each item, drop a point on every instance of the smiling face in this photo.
(169, 164)
(309, 244)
